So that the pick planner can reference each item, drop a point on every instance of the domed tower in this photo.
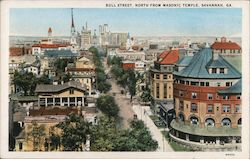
(207, 102)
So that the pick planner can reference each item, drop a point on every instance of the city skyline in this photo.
(169, 22)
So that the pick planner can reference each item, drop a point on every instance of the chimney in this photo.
(215, 55)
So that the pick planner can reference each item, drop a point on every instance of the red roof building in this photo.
(226, 47)
(168, 57)
(128, 65)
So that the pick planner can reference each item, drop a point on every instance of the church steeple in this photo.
(72, 22)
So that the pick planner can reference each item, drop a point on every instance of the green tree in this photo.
(131, 83)
(104, 134)
(74, 133)
(26, 81)
(44, 79)
(146, 95)
(107, 105)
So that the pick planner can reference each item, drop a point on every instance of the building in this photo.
(126, 65)
(67, 94)
(104, 35)
(161, 82)
(225, 47)
(118, 38)
(83, 71)
(86, 38)
(59, 54)
(207, 95)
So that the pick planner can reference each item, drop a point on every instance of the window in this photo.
(210, 108)
(157, 90)
(194, 95)
(218, 84)
(228, 84)
(181, 93)
(239, 122)
(238, 97)
(157, 76)
(237, 108)
(202, 84)
(71, 91)
(210, 122)
(165, 76)
(169, 76)
(209, 96)
(226, 122)
(182, 82)
(225, 97)
(194, 120)
(222, 70)
(214, 70)
(187, 82)
(181, 106)
(181, 117)
(226, 108)
(207, 83)
(165, 90)
(193, 107)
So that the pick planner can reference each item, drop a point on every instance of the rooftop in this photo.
(208, 131)
(59, 53)
(235, 89)
(56, 88)
(168, 57)
(225, 46)
(201, 61)
(50, 45)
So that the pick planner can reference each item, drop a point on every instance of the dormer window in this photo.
(222, 70)
(214, 70)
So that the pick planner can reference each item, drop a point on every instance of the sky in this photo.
(136, 21)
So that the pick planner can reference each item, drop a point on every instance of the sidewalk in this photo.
(142, 113)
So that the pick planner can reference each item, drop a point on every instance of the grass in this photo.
(157, 121)
(175, 146)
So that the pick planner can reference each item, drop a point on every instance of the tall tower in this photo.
(73, 34)
(50, 35)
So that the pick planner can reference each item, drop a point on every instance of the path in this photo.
(142, 114)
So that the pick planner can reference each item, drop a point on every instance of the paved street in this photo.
(126, 112)
(142, 113)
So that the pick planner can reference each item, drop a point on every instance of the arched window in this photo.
(239, 122)
(194, 120)
(210, 122)
(181, 117)
(226, 122)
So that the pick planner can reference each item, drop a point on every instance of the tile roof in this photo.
(225, 46)
(59, 53)
(235, 89)
(168, 57)
(198, 67)
(52, 111)
(41, 88)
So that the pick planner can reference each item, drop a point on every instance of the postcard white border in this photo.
(6, 5)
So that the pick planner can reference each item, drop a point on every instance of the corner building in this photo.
(207, 102)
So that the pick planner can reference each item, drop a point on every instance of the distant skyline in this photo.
(138, 22)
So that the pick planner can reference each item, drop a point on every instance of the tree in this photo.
(131, 83)
(107, 105)
(107, 137)
(26, 81)
(104, 134)
(74, 133)
(146, 95)
(36, 135)
(44, 79)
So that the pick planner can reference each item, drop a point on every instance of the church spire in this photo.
(72, 23)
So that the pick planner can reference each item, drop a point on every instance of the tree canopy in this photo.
(107, 105)
(74, 133)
